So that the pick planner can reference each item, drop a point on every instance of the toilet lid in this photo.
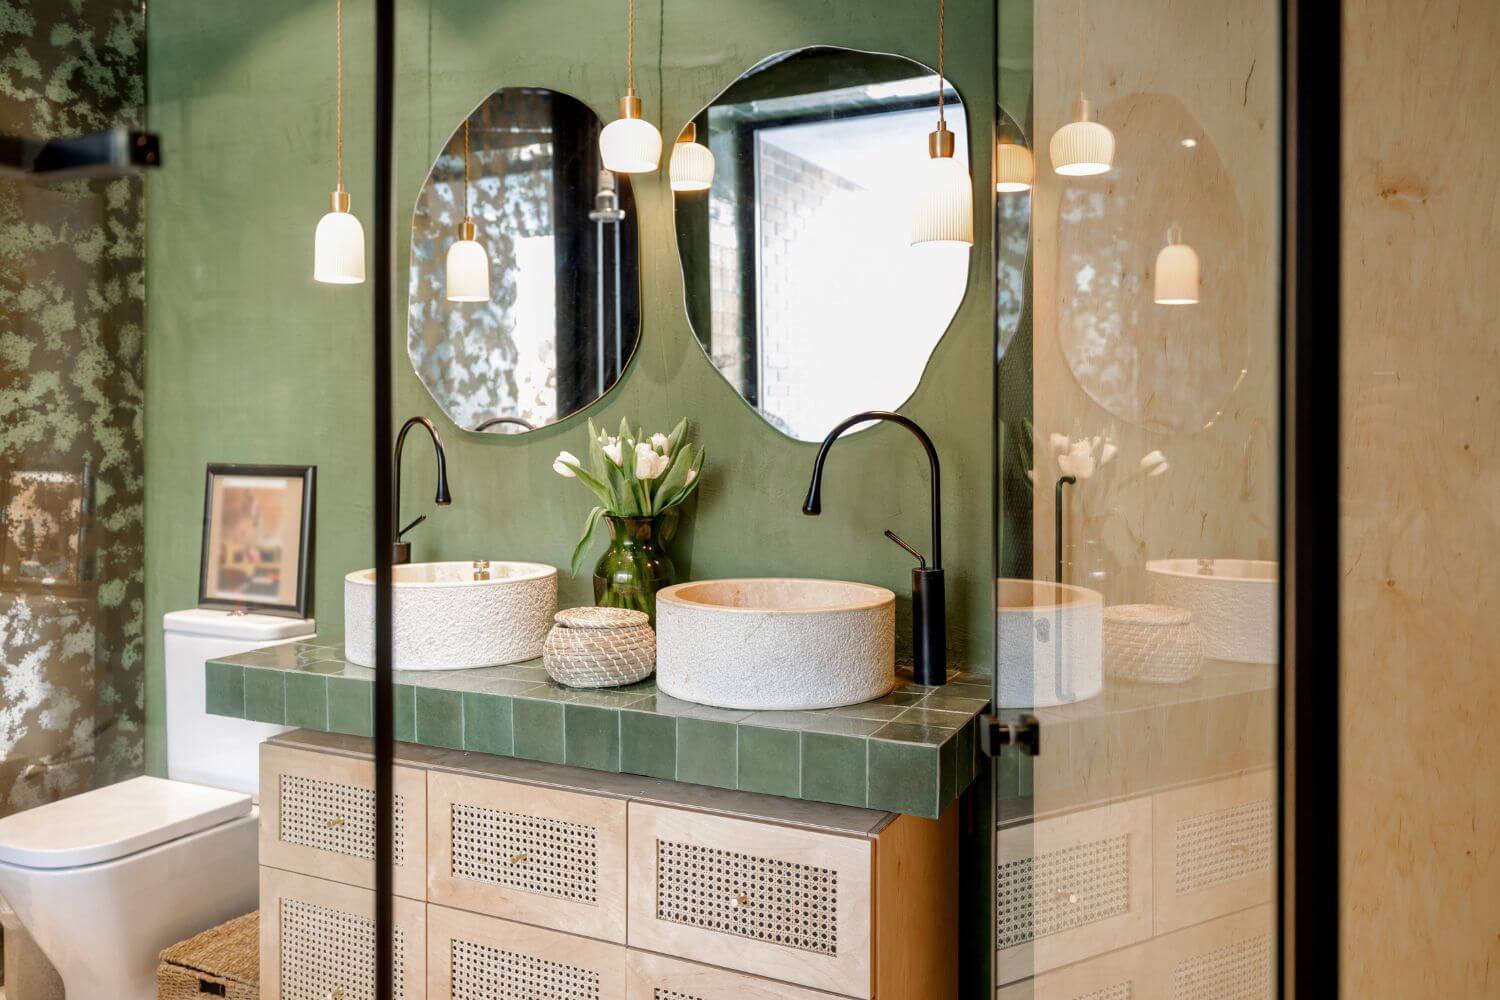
(114, 821)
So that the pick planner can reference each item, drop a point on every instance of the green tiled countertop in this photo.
(912, 751)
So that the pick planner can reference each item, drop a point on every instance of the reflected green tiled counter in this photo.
(912, 751)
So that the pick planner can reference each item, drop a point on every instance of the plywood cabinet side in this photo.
(916, 911)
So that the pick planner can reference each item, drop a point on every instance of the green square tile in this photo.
(833, 768)
(307, 700)
(770, 761)
(225, 689)
(440, 718)
(965, 753)
(648, 744)
(706, 752)
(947, 772)
(404, 713)
(538, 730)
(349, 706)
(903, 778)
(591, 737)
(487, 726)
(265, 696)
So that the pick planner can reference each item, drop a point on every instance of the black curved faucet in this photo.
(929, 614)
(401, 551)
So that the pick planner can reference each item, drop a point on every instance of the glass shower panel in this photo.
(1138, 361)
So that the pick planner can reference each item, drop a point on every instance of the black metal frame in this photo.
(1308, 905)
(309, 476)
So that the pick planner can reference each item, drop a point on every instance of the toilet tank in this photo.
(212, 749)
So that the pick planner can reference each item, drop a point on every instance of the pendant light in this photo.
(1014, 167)
(630, 144)
(1176, 272)
(468, 277)
(943, 210)
(339, 242)
(692, 166)
(1083, 147)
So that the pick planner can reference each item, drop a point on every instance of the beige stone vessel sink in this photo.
(445, 619)
(776, 643)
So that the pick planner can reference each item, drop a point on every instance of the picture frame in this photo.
(45, 514)
(258, 539)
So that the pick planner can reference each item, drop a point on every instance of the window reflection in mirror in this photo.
(563, 314)
(801, 282)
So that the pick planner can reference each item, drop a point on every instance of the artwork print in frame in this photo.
(257, 539)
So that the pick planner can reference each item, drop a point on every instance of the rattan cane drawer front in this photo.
(528, 853)
(318, 817)
(657, 977)
(317, 939)
(474, 957)
(788, 904)
(1215, 849)
(1071, 887)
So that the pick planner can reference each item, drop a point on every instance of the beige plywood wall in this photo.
(1421, 499)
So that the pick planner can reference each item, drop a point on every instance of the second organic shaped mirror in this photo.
(562, 316)
(801, 282)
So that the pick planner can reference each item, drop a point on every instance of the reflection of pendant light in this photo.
(1013, 167)
(339, 243)
(943, 211)
(692, 166)
(1082, 147)
(630, 144)
(468, 264)
(1176, 272)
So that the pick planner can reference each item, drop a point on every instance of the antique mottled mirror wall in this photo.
(801, 282)
(562, 316)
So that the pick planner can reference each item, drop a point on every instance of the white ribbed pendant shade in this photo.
(468, 272)
(692, 166)
(339, 246)
(1176, 273)
(943, 206)
(1082, 148)
(1014, 168)
(630, 144)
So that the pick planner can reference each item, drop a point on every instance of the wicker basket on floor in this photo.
(599, 647)
(1151, 644)
(223, 961)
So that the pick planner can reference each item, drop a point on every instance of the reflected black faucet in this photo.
(401, 554)
(929, 616)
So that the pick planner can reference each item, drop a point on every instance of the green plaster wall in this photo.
(251, 361)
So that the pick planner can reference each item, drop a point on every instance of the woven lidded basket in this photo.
(223, 961)
(1151, 644)
(599, 647)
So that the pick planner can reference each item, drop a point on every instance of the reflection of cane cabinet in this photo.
(549, 881)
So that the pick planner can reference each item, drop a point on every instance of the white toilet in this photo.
(105, 880)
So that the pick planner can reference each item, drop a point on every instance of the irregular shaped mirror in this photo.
(560, 318)
(801, 281)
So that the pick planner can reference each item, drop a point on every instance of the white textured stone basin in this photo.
(444, 619)
(775, 643)
(1051, 643)
(1232, 600)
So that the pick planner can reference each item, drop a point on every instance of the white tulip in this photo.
(1107, 453)
(1058, 441)
(564, 464)
(1079, 460)
(1154, 458)
(613, 453)
(648, 464)
(659, 442)
(1160, 468)
(692, 474)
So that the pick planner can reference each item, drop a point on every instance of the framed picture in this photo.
(45, 514)
(257, 539)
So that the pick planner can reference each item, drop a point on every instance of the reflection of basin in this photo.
(775, 643)
(1232, 600)
(444, 619)
(1050, 642)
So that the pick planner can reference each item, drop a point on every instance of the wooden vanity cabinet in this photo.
(547, 881)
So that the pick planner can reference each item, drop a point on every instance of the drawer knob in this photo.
(519, 859)
(336, 994)
(1066, 896)
(1239, 847)
(334, 824)
(740, 899)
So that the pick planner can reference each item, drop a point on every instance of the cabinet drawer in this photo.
(473, 957)
(1215, 849)
(317, 816)
(317, 939)
(528, 853)
(783, 903)
(1071, 887)
(657, 977)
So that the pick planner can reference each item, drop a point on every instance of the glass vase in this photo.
(636, 565)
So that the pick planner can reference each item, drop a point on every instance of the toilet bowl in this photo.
(104, 880)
